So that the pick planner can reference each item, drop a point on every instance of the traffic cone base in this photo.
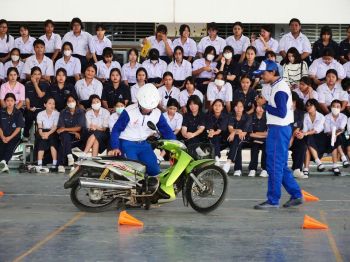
(311, 223)
(126, 219)
(308, 197)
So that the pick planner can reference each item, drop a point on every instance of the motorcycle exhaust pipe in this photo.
(104, 184)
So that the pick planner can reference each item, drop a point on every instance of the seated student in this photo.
(167, 91)
(39, 59)
(320, 66)
(257, 138)
(47, 138)
(334, 128)
(52, 41)
(204, 69)
(11, 123)
(13, 86)
(325, 41)
(331, 90)
(129, 69)
(15, 62)
(219, 89)
(70, 63)
(265, 43)
(61, 88)
(211, 40)
(294, 68)
(305, 90)
(35, 90)
(238, 126)
(190, 89)
(88, 86)
(99, 42)
(7, 42)
(25, 42)
(141, 80)
(173, 118)
(249, 65)
(180, 68)
(270, 55)
(97, 123)
(246, 94)
(115, 90)
(70, 128)
(313, 132)
(238, 42)
(188, 44)
(193, 123)
(161, 43)
(155, 67)
(344, 47)
(119, 108)
(105, 65)
(297, 143)
(346, 66)
(216, 122)
(229, 66)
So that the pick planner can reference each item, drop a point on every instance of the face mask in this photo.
(210, 57)
(67, 52)
(335, 111)
(96, 106)
(219, 82)
(228, 55)
(15, 58)
(154, 61)
(119, 110)
(72, 105)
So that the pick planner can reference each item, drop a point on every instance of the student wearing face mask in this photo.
(52, 41)
(105, 65)
(15, 62)
(238, 42)
(188, 44)
(7, 42)
(220, 89)
(25, 42)
(70, 63)
(118, 109)
(229, 66)
(155, 67)
(99, 42)
(211, 40)
(180, 68)
(167, 91)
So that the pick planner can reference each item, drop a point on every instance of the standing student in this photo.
(246, 94)
(25, 42)
(179, 67)
(52, 41)
(155, 67)
(11, 123)
(238, 42)
(173, 118)
(305, 90)
(129, 69)
(294, 68)
(344, 47)
(249, 65)
(99, 42)
(229, 66)
(141, 80)
(325, 41)
(190, 89)
(47, 138)
(119, 108)
(220, 89)
(161, 42)
(105, 65)
(188, 45)
(211, 40)
(7, 42)
(15, 62)
(14, 87)
(70, 63)
(264, 43)
(167, 91)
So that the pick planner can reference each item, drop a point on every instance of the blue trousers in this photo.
(143, 152)
(277, 143)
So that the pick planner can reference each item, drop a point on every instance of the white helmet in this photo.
(148, 96)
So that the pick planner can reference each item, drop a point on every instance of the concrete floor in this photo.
(39, 223)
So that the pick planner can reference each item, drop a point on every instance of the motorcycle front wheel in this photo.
(212, 194)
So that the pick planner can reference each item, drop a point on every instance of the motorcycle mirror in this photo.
(151, 125)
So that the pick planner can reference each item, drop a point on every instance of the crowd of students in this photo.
(73, 91)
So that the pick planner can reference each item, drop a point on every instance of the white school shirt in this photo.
(73, 66)
(19, 67)
(218, 43)
(46, 65)
(184, 96)
(129, 73)
(305, 97)
(81, 43)
(319, 69)
(225, 93)
(175, 122)
(260, 48)
(160, 46)
(301, 43)
(190, 46)
(317, 125)
(134, 90)
(182, 71)
(85, 91)
(2, 71)
(101, 120)
(330, 122)
(346, 67)
(27, 47)
(52, 44)
(6, 46)
(155, 70)
(98, 45)
(163, 93)
(103, 71)
(326, 96)
(199, 63)
(112, 120)
(48, 122)
(239, 46)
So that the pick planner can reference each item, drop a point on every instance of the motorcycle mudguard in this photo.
(199, 163)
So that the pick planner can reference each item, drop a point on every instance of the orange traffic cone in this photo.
(311, 223)
(126, 219)
(308, 197)
(1, 193)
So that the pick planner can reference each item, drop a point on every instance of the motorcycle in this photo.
(98, 183)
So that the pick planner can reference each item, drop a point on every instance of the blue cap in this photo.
(266, 65)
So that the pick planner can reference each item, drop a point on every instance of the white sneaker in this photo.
(42, 170)
(3, 166)
(201, 153)
(252, 173)
(227, 167)
(61, 169)
(70, 159)
(264, 173)
(298, 174)
(217, 161)
(237, 173)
